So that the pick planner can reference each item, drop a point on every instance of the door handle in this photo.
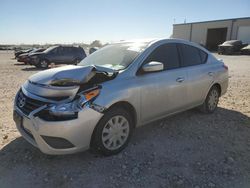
(180, 79)
(210, 73)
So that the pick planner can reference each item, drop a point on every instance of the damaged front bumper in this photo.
(58, 137)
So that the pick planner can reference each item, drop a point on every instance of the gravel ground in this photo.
(186, 150)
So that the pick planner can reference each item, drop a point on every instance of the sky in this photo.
(69, 21)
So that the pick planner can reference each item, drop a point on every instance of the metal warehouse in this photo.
(213, 33)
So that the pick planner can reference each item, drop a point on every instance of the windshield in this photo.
(50, 48)
(115, 56)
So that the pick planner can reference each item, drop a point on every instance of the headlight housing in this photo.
(66, 109)
(70, 110)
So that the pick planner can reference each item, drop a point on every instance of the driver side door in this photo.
(163, 92)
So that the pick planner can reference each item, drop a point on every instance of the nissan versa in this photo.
(98, 103)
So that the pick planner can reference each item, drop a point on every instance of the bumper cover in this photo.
(78, 131)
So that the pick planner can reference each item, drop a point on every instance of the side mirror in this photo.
(153, 66)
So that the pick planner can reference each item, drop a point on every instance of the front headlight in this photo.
(71, 109)
(67, 109)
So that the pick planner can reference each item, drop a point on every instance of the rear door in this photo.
(68, 55)
(165, 91)
(200, 76)
(72, 54)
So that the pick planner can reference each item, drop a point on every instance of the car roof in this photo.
(70, 46)
(152, 41)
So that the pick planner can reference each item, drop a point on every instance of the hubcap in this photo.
(115, 132)
(213, 99)
(44, 64)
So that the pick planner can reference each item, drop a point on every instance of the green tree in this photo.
(96, 43)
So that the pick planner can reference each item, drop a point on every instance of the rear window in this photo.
(192, 56)
(203, 56)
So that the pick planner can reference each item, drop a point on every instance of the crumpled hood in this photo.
(76, 74)
(62, 81)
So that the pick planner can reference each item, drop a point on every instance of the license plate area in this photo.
(19, 122)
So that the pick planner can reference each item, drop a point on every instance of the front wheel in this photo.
(43, 64)
(211, 102)
(113, 132)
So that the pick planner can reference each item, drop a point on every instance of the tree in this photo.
(96, 43)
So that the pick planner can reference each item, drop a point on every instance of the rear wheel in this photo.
(113, 132)
(211, 102)
(77, 61)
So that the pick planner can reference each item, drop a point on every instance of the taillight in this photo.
(225, 67)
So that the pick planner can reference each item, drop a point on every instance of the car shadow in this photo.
(19, 64)
(179, 144)
(32, 69)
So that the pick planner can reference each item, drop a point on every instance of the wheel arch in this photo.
(214, 84)
(128, 107)
(121, 104)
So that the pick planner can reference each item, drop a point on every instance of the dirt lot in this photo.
(187, 150)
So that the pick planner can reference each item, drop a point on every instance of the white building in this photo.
(213, 33)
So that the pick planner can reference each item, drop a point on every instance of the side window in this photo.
(74, 50)
(71, 50)
(66, 50)
(54, 51)
(203, 56)
(60, 50)
(192, 56)
(166, 54)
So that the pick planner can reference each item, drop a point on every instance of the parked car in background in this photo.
(19, 52)
(246, 50)
(25, 57)
(99, 102)
(230, 47)
(57, 55)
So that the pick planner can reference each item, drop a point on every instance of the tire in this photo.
(44, 64)
(211, 102)
(77, 61)
(106, 139)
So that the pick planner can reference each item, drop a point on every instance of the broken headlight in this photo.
(71, 109)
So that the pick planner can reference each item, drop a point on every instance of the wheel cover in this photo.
(213, 99)
(115, 133)
(44, 64)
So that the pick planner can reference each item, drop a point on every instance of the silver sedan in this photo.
(121, 86)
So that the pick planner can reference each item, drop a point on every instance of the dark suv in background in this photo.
(57, 55)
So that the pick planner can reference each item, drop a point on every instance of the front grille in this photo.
(27, 104)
